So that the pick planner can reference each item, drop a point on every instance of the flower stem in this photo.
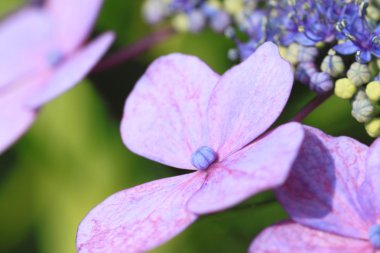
(133, 50)
(310, 107)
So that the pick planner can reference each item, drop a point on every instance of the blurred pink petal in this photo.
(165, 115)
(260, 166)
(72, 70)
(322, 188)
(23, 38)
(140, 218)
(248, 99)
(289, 237)
(72, 20)
(15, 117)
(40, 40)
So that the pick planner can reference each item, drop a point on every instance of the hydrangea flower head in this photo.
(42, 57)
(332, 196)
(183, 114)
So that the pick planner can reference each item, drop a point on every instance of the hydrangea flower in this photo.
(184, 115)
(41, 57)
(332, 196)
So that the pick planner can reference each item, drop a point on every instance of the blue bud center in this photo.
(374, 236)
(203, 157)
(54, 57)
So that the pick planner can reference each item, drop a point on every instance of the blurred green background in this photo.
(72, 158)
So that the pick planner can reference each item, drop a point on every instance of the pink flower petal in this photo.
(24, 38)
(165, 115)
(248, 99)
(321, 191)
(73, 70)
(15, 117)
(260, 166)
(140, 218)
(72, 20)
(289, 237)
(370, 188)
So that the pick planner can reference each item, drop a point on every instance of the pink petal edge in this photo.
(165, 114)
(289, 237)
(260, 166)
(248, 99)
(140, 218)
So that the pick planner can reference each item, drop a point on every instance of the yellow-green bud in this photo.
(373, 90)
(282, 51)
(292, 52)
(332, 65)
(344, 88)
(214, 3)
(181, 22)
(373, 13)
(373, 127)
(320, 45)
(359, 74)
(362, 108)
(233, 6)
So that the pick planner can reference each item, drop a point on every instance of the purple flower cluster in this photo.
(330, 43)
(318, 37)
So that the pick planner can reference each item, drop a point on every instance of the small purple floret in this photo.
(203, 157)
(374, 236)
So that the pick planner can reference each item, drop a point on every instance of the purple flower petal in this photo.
(248, 99)
(321, 190)
(347, 47)
(260, 166)
(289, 237)
(15, 117)
(72, 21)
(370, 188)
(302, 39)
(373, 167)
(165, 115)
(21, 56)
(365, 56)
(140, 218)
(72, 71)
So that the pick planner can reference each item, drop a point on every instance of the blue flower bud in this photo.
(304, 72)
(203, 157)
(321, 83)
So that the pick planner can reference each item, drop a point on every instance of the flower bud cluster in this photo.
(332, 45)
(192, 15)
